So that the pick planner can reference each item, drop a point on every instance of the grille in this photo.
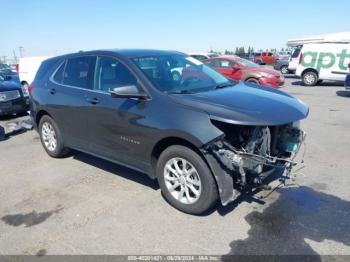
(9, 95)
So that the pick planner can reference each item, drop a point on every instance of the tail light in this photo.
(30, 89)
(17, 68)
(300, 58)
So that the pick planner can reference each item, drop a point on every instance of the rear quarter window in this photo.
(45, 67)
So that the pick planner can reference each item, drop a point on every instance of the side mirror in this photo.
(129, 91)
(236, 67)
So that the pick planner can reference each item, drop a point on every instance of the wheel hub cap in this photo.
(182, 180)
(49, 136)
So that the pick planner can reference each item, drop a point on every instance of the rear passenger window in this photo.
(78, 70)
(58, 77)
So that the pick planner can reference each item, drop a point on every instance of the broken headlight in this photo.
(291, 137)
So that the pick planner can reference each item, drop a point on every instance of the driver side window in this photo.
(110, 73)
(226, 64)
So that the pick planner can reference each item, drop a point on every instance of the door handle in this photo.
(52, 91)
(93, 101)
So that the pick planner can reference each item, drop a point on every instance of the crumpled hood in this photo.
(9, 85)
(247, 104)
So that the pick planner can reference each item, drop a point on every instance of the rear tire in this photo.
(310, 78)
(186, 180)
(51, 138)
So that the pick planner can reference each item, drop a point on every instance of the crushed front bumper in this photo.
(235, 173)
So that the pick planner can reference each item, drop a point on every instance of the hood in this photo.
(247, 104)
(9, 85)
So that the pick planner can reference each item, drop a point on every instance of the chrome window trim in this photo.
(52, 80)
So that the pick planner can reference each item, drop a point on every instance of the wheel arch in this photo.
(39, 115)
(24, 82)
(309, 70)
(252, 78)
(164, 143)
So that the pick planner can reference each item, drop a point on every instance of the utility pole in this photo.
(21, 51)
(15, 59)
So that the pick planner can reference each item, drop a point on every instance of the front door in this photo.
(230, 69)
(115, 123)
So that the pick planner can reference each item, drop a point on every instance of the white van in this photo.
(27, 68)
(323, 61)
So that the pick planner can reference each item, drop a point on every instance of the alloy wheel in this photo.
(309, 79)
(284, 70)
(49, 136)
(182, 180)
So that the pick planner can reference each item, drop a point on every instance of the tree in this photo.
(237, 51)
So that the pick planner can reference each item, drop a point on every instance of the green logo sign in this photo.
(325, 60)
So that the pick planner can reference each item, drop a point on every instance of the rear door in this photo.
(227, 70)
(68, 90)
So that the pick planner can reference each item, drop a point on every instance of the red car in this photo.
(264, 58)
(241, 69)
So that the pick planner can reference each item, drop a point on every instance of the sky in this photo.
(55, 27)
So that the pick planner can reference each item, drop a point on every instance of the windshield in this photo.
(180, 74)
(246, 63)
(296, 52)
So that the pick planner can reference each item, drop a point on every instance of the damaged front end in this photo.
(241, 158)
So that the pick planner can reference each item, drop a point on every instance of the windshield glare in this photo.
(179, 73)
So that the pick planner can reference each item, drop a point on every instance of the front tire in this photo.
(310, 78)
(284, 70)
(51, 138)
(186, 180)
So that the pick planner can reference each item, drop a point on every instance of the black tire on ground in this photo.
(284, 70)
(60, 150)
(209, 192)
(259, 62)
(253, 80)
(310, 78)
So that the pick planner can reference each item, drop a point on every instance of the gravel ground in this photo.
(84, 205)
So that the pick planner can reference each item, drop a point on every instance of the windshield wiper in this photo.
(226, 84)
(184, 91)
